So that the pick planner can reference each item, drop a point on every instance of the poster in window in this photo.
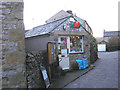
(65, 40)
(81, 41)
(51, 49)
(64, 51)
(59, 39)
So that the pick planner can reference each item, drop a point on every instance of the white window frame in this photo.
(68, 43)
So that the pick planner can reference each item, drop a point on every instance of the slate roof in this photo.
(44, 29)
(111, 33)
(60, 15)
(53, 23)
(99, 39)
(79, 19)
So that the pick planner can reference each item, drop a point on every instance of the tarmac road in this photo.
(104, 75)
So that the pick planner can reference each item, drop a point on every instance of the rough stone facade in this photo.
(74, 31)
(12, 54)
(33, 70)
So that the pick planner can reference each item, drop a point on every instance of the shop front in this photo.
(69, 38)
(68, 45)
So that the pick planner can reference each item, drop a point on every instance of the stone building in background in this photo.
(109, 42)
(12, 54)
(113, 40)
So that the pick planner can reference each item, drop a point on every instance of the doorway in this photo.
(63, 52)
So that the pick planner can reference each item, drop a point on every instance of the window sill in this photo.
(76, 52)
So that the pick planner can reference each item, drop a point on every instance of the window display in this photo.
(73, 43)
(76, 44)
(62, 46)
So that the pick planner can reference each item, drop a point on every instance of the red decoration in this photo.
(76, 25)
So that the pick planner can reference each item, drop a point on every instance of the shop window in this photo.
(76, 44)
(62, 44)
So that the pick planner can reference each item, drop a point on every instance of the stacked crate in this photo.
(82, 64)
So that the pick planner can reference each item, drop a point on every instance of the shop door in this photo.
(63, 52)
(52, 52)
(52, 57)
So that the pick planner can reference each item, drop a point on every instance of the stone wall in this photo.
(33, 70)
(12, 47)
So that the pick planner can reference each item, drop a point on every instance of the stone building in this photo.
(113, 40)
(109, 34)
(12, 56)
(109, 41)
(73, 37)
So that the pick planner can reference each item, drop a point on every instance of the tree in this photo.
(113, 43)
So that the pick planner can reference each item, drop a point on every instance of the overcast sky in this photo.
(100, 14)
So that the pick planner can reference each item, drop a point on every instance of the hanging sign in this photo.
(75, 25)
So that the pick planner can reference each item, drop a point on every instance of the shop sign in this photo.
(75, 24)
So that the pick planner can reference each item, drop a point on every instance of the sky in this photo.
(100, 14)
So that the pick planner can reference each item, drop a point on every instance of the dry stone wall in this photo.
(12, 54)
(33, 70)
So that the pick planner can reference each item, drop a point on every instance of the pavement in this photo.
(69, 77)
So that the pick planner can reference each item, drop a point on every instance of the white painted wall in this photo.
(101, 47)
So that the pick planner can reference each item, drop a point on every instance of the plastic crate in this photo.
(79, 64)
(82, 64)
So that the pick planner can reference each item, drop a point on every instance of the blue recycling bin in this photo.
(82, 64)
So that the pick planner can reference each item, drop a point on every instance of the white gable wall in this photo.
(101, 47)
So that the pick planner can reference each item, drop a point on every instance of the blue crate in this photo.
(82, 64)
(79, 63)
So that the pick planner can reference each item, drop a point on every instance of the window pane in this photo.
(76, 43)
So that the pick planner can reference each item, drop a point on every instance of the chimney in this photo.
(69, 11)
(103, 34)
(104, 30)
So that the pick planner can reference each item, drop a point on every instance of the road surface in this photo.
(104, 75)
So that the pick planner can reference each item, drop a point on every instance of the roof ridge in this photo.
(51, 22)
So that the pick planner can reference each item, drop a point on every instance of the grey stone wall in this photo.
(66, 27)
(80, 56)
(34, 73)
(12, 46)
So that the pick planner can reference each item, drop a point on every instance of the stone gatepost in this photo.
(12, 54)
